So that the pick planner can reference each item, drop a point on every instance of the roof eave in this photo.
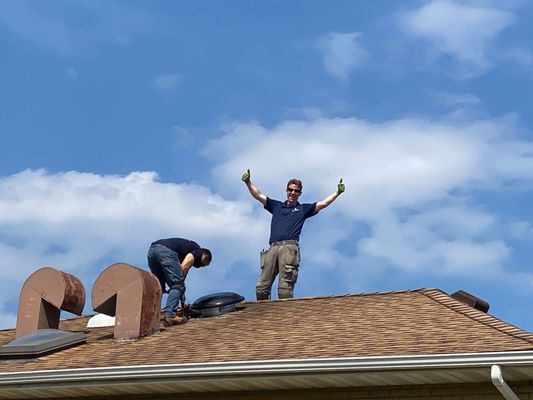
(269, 374)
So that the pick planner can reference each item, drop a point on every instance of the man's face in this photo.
(293, 192)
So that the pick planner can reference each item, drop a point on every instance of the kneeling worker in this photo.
(170, 260)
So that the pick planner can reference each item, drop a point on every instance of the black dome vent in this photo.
(216, 304)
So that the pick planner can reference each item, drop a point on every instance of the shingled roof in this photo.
(404, 323)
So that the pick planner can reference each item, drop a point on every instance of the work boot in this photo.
(171, 321)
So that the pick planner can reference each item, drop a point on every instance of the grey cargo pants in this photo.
(283, 259)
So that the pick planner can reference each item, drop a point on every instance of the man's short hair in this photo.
(208, 256)
(295, 182)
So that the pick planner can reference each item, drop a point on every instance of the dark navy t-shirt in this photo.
(183, 247)
(288, 219)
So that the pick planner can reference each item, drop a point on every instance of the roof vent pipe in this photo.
(496, 376)
(471, 300)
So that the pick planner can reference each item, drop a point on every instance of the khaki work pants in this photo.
(280, 259)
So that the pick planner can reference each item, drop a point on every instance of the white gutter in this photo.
(497, 379)
(268, 368)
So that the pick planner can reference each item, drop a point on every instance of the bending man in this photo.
(170, 261)
(288, 217)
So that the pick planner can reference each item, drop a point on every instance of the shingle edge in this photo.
(446, 300)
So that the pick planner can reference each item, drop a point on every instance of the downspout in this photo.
(497, 380)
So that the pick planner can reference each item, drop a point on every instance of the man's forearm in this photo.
(255, 192)
(327, 201)
(331, 198)
(181, 289)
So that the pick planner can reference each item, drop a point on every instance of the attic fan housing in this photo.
(216, 304)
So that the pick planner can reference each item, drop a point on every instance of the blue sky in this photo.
(123, 122)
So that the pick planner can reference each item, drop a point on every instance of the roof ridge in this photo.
(489, 320)
(339, 295)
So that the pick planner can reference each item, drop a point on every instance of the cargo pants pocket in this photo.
(291, 255)
(290, 274)
(291, 258)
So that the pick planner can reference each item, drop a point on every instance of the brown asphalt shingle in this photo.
(419, 322)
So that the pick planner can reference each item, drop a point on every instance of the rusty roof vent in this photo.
(131, 294)
(471, 300)
(40, 343)
(44, 294)
(216, 304)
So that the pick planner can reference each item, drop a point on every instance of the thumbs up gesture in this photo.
(246, 176)
(340, 187)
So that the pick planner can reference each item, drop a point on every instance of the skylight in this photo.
(40, 343)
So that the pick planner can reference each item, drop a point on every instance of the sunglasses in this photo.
(293, 190)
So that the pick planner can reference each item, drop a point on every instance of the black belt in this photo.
(281, 243)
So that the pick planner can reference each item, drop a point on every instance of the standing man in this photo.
(288, 217)
(170, 261)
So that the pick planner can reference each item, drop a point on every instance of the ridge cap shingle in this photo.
(323, 297)
(489, 320)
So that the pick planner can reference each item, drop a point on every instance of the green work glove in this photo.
(246, 176)
(340, 187)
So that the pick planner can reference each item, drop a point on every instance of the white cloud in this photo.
(393, 164)
(341, 53)
(167, 81)
(428, 241)
(465, 32)
(412, 183)
(457, 221)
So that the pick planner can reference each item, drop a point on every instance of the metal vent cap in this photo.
(471, 300)
(215, 304)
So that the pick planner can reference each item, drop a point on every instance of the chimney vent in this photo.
(471, 300)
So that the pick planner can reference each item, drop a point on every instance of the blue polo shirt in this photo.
(288, 219)
(182, 247)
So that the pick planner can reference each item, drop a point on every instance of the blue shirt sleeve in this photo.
(271, 204)
(309, 210)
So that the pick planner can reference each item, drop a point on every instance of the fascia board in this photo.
(214, 371)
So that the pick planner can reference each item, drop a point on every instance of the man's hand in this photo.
(183, 311)
(246, 176)
(340, 187)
